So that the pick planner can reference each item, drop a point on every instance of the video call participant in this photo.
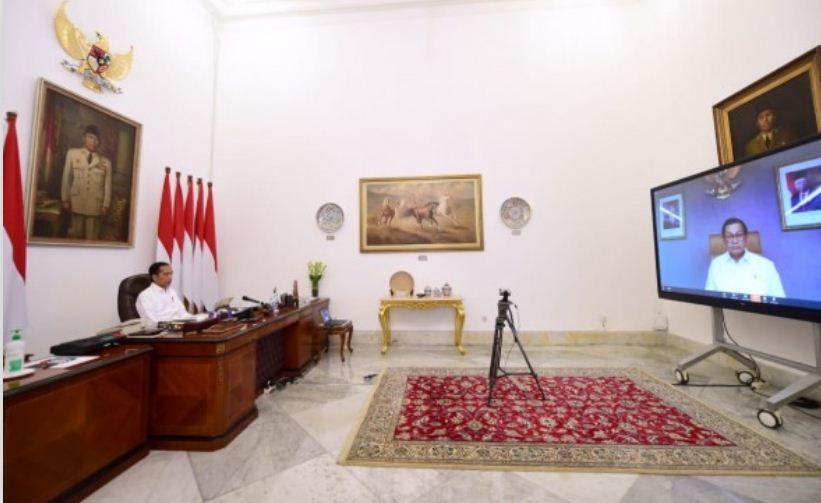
(739, 270)
(159, 302)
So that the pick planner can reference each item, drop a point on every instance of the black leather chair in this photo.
(130, 288)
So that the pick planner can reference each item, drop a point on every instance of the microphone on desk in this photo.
(249, 299)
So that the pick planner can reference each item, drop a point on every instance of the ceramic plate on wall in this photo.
(515, 212)
(329, 217)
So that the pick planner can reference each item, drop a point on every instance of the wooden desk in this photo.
(387, 303)
(204, 385)
(67, 432)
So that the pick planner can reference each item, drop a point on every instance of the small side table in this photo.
(423, 303)
(345, 333)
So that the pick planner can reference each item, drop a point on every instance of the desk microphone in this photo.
(249, 299)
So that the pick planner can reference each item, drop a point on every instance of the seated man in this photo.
(159, 302)
(739, 270)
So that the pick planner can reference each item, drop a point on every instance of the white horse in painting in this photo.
(445, 209)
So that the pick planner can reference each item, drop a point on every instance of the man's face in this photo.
(735, 240)
(765, 120)
(163, 276)
(91, 142)
(800, 184)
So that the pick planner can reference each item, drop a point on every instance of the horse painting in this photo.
(426, 212)
(445, 209)
(386, 213)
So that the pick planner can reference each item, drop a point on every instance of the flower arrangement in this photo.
(315, 271)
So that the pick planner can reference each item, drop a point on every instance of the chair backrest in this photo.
(717, 246)
(130, 288)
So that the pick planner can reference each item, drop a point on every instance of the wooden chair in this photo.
(345, 333)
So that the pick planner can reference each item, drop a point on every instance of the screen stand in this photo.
(768, 414)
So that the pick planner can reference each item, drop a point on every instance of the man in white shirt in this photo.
(159, 302)
(739, 270)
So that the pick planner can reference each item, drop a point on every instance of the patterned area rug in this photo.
(615, 420)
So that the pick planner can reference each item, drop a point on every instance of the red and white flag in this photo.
(188, 249)
(14, 238)
(179, 237)
(199, 229)
(165, 224)
(210, 283)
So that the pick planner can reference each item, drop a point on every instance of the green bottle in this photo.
(15, 352)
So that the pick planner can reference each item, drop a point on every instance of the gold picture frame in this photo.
(81, 191)
(791, 94)
(421, 213)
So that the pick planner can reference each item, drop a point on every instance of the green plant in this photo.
(315, 271)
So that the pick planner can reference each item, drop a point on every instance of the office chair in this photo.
(130, 288)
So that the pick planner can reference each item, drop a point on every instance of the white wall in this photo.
(579, 107)
(72, 290)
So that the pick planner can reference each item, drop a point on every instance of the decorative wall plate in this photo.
(515, 212)
(401, 281)
(329, 217)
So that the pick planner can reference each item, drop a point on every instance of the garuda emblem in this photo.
(95, 63)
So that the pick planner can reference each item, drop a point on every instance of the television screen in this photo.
(745, 236)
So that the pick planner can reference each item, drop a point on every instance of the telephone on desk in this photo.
(133, 328)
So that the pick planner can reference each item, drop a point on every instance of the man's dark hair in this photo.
(799, 175)
(154, 269)
(762, 106)
(92, 129)
(733, 220)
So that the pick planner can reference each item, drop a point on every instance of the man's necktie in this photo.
(91, 155)
(766, 143)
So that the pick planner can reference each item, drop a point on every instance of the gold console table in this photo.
(423, 303)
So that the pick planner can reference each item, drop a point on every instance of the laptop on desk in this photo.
(327, 320)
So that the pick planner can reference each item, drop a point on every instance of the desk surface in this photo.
(47, 377)
(227, 330)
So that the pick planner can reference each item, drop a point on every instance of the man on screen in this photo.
(738, 269)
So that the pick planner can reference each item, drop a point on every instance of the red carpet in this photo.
(594, 419)
(578, 410)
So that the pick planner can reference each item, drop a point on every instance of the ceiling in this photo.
(231, 9)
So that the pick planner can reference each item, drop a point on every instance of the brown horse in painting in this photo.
(386, 213)
(426, 212)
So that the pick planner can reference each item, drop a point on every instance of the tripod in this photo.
(506, 316)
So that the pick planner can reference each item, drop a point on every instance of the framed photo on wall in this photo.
(421, 213)
(671, 218)
(82, 182)
(799, 194)
(776, 110)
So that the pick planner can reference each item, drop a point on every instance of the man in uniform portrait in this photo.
(769, 136)
(86, 187)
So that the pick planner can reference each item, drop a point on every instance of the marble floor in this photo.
(289, 452)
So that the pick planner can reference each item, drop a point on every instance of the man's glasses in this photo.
(739, 236)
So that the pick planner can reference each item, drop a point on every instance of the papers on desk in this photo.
(59, 362)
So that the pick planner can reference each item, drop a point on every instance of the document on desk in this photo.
(59, 362)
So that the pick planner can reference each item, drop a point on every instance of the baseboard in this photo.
(536, 338)
(776, 376)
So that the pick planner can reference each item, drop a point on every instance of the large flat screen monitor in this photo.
(745, 236)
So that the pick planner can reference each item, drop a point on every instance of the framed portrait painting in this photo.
(670, 219)
(777, 110)
(421, 213)
(799, 194)
(82, 182)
